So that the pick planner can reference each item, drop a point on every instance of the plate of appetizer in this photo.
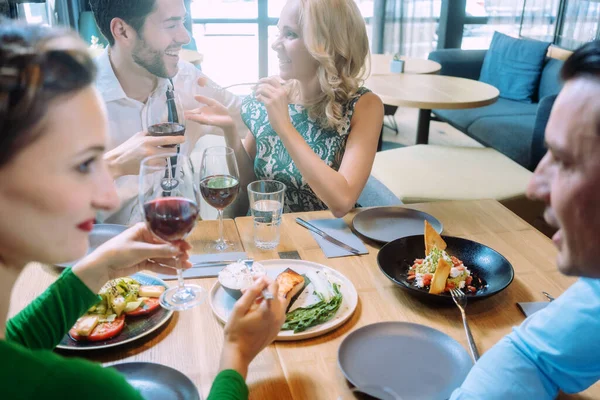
(100, 234)
(430, 265)
(321, 298)
(128, 310)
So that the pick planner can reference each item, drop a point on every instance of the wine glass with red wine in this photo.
(165, 115)
(219, 183)
(170, 204)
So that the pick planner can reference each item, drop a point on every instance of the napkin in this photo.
(338, 229)
(532, 307)
(203, 272)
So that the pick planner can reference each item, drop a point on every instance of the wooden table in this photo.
(380, 65)
(192, 340)
(427, 92)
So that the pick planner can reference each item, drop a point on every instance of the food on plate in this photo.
(317, 304)
(237, 276)
(119, 297)
(438, 270)
(290, 283)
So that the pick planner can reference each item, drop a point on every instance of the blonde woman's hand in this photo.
(252, 326)
(212, 113)
(274, 96)
(134, 250)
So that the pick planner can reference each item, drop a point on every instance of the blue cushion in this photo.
(514, 66)
(550, 83)
(462, 119)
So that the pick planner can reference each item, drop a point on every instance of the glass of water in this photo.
(266, 205)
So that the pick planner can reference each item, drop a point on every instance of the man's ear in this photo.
(121, 30)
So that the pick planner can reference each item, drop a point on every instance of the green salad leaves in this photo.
(303, 318)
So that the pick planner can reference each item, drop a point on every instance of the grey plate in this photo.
(158, 382)
(100, 233)
(384, 224)
(414, 361)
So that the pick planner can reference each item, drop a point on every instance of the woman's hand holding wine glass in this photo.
(136, 249)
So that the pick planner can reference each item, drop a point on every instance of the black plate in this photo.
(396, 257)
(100, 234)
(157, 381)
(384, 224)
(135, 327)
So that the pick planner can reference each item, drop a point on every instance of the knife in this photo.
(202, 264)
(325, 236)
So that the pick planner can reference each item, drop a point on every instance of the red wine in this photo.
(167, 129)
(219, 190)
(171, 218)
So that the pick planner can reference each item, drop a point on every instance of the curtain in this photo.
(539, 19)
(580, 23)
(408, 27)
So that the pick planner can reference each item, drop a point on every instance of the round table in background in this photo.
(428, 92)
(380, 65)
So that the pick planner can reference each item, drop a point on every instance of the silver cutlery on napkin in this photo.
(461, 302)
(326, 236)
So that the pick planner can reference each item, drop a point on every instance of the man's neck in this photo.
(137, 82)
(8, 277)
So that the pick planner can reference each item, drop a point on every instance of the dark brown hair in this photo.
(133, 12)
(33, 73)
(584, 61)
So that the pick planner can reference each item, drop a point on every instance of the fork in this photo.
(461, 302)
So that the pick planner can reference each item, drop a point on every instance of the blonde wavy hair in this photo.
(335, 35)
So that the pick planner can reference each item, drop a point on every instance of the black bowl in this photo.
(396, 257)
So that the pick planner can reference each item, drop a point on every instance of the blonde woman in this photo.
(314, 128)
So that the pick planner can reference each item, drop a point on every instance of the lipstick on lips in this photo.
(86, 226)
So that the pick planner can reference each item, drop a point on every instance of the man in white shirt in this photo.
(145, 37)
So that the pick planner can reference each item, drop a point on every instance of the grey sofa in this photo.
(513, 128)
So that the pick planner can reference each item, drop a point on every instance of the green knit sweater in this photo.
(30, 370)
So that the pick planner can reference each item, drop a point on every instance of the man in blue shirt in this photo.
(558, 348)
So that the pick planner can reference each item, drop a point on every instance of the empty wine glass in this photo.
(170, 199)
(219, 183)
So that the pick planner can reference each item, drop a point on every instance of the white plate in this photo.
(222, 303)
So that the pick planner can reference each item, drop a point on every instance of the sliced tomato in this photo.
(103, 331)
(148, 306)
(468, 280)
(455, 261)
(427, 279)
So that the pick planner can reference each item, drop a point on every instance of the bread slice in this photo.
(438, 282)
(432, 239)
(290, 283)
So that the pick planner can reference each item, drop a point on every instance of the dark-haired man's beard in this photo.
(150, 59)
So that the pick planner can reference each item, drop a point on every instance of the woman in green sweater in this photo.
(52, 136)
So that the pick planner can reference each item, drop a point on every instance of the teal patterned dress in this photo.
(273, 160)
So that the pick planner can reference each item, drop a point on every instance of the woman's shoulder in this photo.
(363, 99)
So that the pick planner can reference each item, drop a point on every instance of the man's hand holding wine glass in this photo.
(126, 158)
